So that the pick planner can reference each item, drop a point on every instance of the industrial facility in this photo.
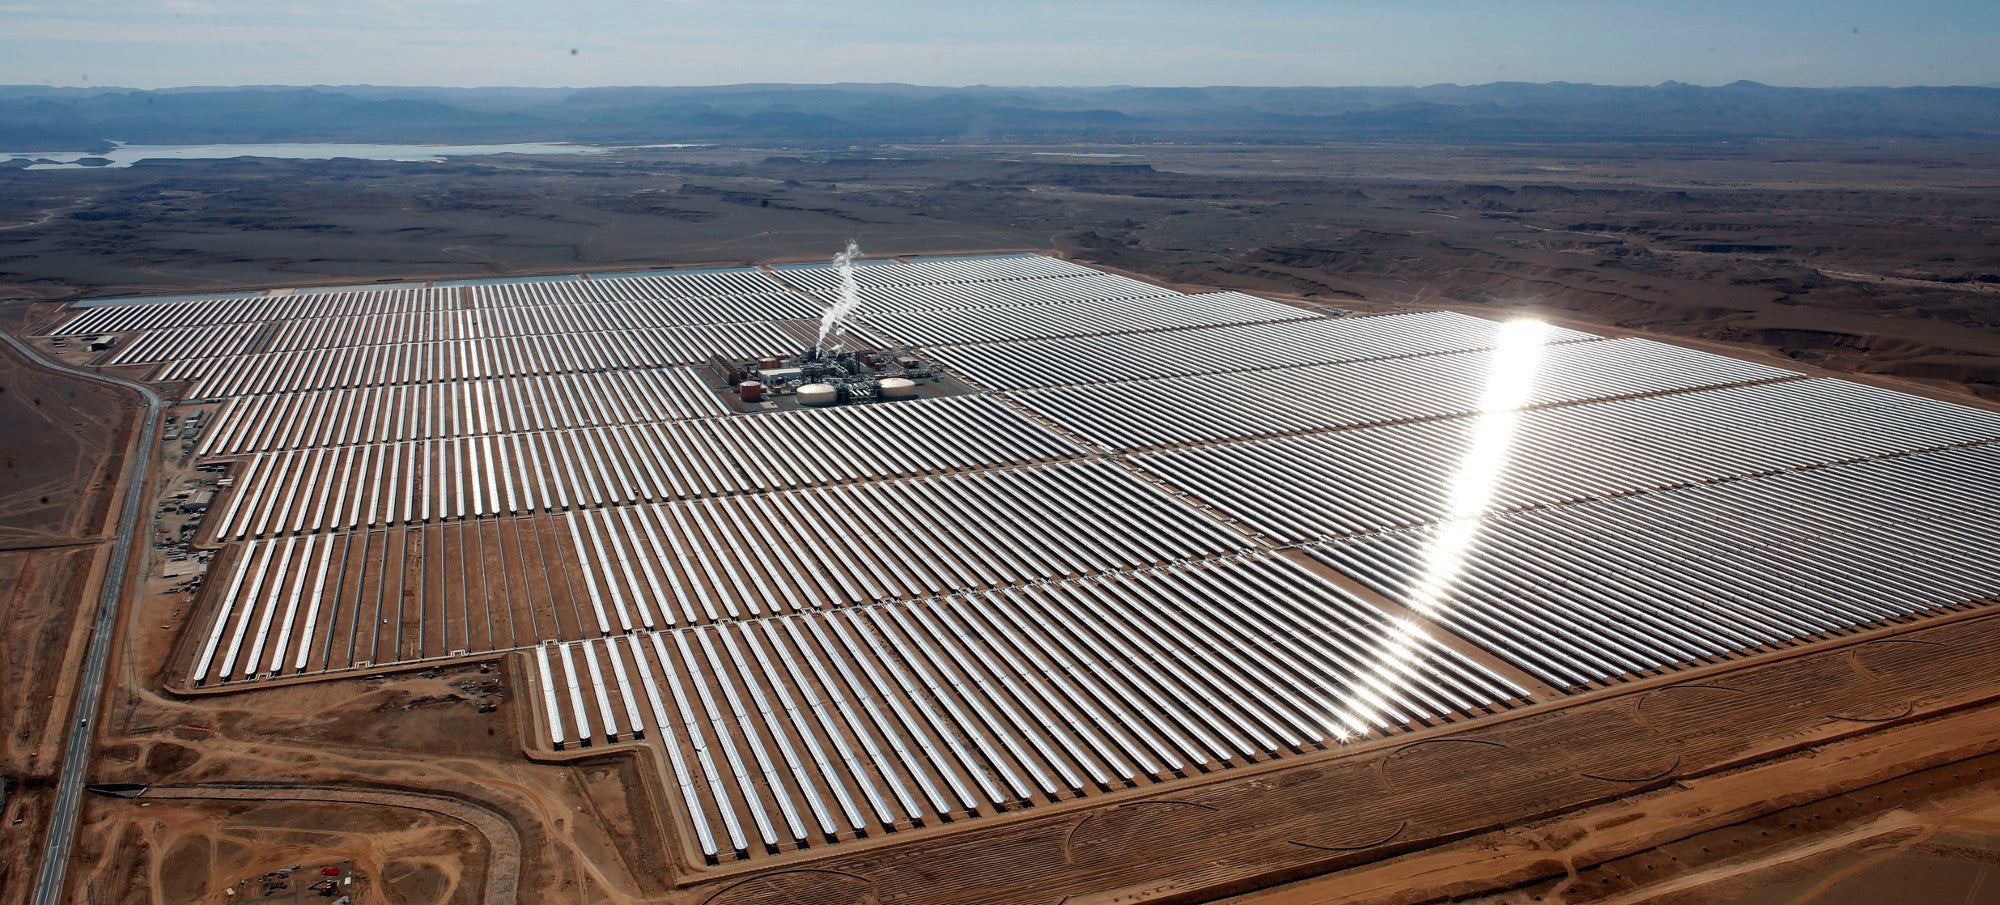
(1033, 533)
(817, 378)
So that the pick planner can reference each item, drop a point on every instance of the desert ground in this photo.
(1828, 774)
(1867, 257)
(60, 470)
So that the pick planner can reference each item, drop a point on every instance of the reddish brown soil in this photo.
(63, 449)
(1834, 824)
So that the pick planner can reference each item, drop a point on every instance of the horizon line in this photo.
(1748, 83)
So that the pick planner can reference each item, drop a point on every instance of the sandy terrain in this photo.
(1836, 823)
(64, 447)
(449, 811)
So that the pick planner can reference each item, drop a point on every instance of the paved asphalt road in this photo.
(90, 690)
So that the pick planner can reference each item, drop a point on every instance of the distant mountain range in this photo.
(42, 118)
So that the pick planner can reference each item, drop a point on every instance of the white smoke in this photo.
(850, 295)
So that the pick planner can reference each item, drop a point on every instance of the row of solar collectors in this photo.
(1036, 293)
(804, 729)
(1587, 593)
(145, 315)
(545, 327)
(461, 408)
(142, 315)
(187, 342)
(1202, 408)
(329, 333)
(1169, 312)
(693, 284)
(506, 356)
(331, 488)
(317, 603)
(299, 604)
(418, 592)
(758, 554)
(1209, 350)
(1079, 306)
(1367, 479)
(824, 278)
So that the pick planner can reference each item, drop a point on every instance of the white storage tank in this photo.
(818, 394)
(898, 388)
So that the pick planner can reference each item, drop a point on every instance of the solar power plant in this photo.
(1153, 536)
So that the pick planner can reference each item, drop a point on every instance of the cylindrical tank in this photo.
(898, 388)
(818, 394)
(751, 390)
(770, 361)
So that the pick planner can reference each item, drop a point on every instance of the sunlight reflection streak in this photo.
(1510, 384)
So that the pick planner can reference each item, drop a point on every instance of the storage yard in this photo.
(1127, 539)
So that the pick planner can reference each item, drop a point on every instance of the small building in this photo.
(198, 501)
(100, 343)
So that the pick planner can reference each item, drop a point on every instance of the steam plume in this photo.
(835, 317)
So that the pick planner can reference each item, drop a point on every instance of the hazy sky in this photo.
(158, 43)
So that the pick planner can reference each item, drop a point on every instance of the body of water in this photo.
(127, 155)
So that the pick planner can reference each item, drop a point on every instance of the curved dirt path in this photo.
(503, 861)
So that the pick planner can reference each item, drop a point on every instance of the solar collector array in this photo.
(1590, 592)
(758, 554)
(371, 484)
(824, 278)
(664, 288)
(327, 333)
(418, 592)
(504, 356)
(686, 284)
(988, 296)
(823, 644)
(796, 729)
(1098, 359)
(147, 315)
(1343, 482)
(1207, 407)
(335, 417)
(364, 599)
(186, 342)
(1078, 318)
